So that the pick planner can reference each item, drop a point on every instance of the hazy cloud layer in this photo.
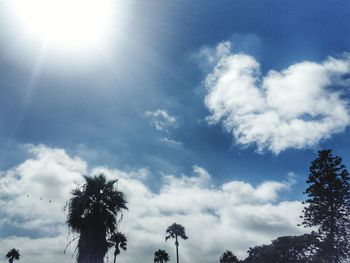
(233, 216)
(296, 107)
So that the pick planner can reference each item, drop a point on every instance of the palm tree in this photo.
(92, 213)
(12, 255)
(176, 231)
(161, 256)
(118, 241)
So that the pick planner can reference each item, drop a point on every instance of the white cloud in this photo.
(211, 56)
(292, 108)
(33, 194)
(44, 249)
(233, 216)
(161, 120)
(164, 122)
(171, 142)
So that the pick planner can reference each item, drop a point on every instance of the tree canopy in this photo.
(228, 257)
(12, 255)
(161, 256)
(287, 249)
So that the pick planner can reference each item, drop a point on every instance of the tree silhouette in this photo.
(176, 231)
(328, 206)
(301, 249)
(260, 254)
(161, 256)
(118, 241)
(12, 255)
(92, 213)
(287, 249)
(228, 257)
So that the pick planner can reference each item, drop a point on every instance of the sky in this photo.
(208, 112)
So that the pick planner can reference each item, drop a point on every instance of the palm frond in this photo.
(13, 254)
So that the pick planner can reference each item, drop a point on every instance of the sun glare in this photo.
(65, 23)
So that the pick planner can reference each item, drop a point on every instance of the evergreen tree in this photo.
(328, 206)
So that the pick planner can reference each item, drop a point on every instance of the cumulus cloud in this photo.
(32, 195)
(296, 107)
(234, 215)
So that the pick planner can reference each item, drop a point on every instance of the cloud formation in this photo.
(234, 215)
(296, 107)
(161, 120)
(164, 122)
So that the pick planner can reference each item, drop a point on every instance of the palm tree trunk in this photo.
(177, 250)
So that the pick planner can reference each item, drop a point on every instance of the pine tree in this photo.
(328, 206)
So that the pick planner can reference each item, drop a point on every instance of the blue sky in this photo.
(145, 102)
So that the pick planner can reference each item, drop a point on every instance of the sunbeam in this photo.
(67, 23)
(73, 31)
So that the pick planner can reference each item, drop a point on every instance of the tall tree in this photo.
(118, 241)
(328, 206)
(228, 257)
(92, 213)
(161, 256)
(176, 231)
(12, 255)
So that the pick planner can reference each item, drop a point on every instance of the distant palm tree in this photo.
(176, 231)
(118, 241)
(228, 257)
(92, 213)
(12, 255)
(161, 256)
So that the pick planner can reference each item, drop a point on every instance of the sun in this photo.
(65, 23)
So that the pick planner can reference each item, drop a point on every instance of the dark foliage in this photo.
(161, 256)
(12, 255)
(118, 241)
(228, 257)
(328, 206)
(288, 249)
(92, 213)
